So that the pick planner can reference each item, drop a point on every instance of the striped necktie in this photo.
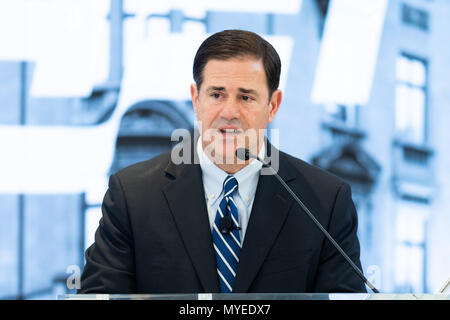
(227, 245)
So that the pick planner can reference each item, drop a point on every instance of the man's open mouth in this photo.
(230, 131)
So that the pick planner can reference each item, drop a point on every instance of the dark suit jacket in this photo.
(155, 236)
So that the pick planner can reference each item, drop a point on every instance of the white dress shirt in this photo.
(213, 178)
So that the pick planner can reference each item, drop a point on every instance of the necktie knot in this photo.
(229, 185)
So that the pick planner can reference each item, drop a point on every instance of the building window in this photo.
(410, 249)
(415, 17)
(411, 99)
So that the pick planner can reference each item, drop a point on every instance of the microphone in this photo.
(227, 225)
(244, 154)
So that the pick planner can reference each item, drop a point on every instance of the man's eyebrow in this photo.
(243, 90)
(213, 88)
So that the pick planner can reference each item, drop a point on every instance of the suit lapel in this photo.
(270, 209)
(185, 197)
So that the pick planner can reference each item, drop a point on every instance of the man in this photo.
(221, 225)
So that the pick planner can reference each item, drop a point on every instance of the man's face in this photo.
(233, 101)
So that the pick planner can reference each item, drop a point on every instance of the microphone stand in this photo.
(246, 155)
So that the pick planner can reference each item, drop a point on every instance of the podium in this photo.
(259, 296)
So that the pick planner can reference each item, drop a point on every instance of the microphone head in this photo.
(226, 224)
(243, 154)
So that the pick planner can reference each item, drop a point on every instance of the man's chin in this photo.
(226, 154)
(223, 151)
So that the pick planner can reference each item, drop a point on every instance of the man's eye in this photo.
(215, 95)
(246, 98)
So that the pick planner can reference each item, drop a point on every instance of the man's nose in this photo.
(230, 110)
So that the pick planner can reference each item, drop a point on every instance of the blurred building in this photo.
(387, 137)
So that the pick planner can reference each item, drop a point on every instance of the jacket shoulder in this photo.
(143, 170)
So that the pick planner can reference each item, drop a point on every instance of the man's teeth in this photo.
(230, 130)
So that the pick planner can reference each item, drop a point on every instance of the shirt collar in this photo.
(213, 176)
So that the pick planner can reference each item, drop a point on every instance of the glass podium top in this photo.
(260, 296)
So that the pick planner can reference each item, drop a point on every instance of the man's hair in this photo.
(238, 43)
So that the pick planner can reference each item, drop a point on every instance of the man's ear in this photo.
(194, 96)
(274, 104)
